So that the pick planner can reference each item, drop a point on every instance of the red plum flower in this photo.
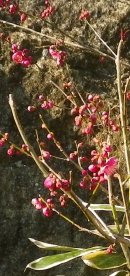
(110, 166)
(36, 202)
(47, 212)
(13, 8)
(47, 12)
(23, 17)
(50, 182)
(93, 168)
(84, 15)
(21, 56)
(59, 56)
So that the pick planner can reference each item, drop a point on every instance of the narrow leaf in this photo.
(114, 229)
(49, 246)
(57, 259)
(101, 260)
(105, 207)
(120, 273)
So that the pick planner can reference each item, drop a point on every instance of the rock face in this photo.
(20, 179)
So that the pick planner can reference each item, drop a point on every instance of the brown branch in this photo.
(20, 129)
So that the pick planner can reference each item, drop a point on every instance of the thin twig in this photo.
(125, 195)
(93, 217)
(121, 103)
(125, 205)
(58, 145)
(75, 224)
(20, 129)
(117, 200)
(99, 37)
(90, 49)
(61, 90)
(123, 127)
(111, 202)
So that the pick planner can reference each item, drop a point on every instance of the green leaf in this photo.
(49, 246)
(102, 260)
(120, 273)
(114, 229)
(105, 207)
(57, 259)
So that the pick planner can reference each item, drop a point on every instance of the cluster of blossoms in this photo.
(45, 207)
(4, 139)
(90, 114)
(84, 15)
(42, 103)
(100, 168)
(15, 151)
(13, 8)
(48, 10)
(57, 55)
(52, 184)
(96, 168)
(5, 3)
(20, 56)
(12, 150)
(107, 122)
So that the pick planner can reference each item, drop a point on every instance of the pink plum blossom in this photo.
(21, 56)
(110, 166)
(47, 212)
(36, 202)
(50, 182)
(59, 56)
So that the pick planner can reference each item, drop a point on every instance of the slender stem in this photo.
(121, 103)
(60, 158)
(101, 227)
(126, 180)
(125, 205)
(99, 37)
(104, 190)
(93, 217)
(54, 39)
(126, 252)
(58, 145)
(125, 195)
(89, 49)
(69, 220)
(20, 129)
(124, 100)
(93, 194)
(111, 202)
(123, 127)
(75, 224)
(61, 90)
